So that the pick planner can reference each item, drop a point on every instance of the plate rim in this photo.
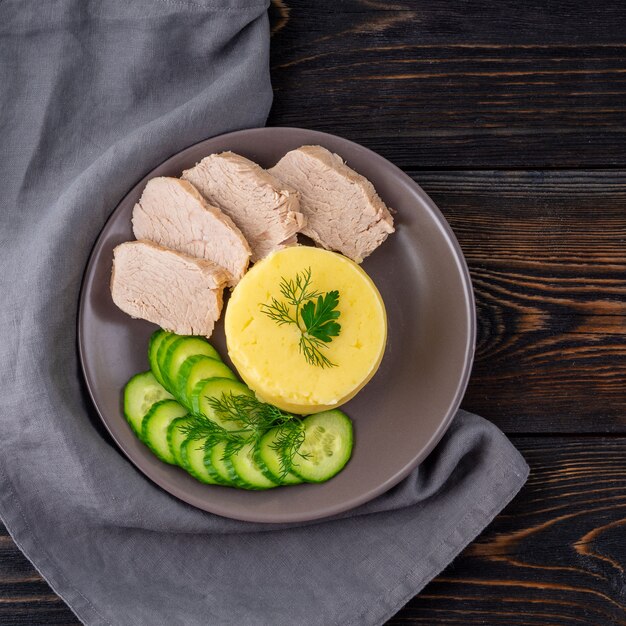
(391, 481)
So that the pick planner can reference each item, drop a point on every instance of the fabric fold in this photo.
(92, 96)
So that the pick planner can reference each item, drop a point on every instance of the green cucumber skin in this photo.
(240, 467)
(215, 387)
(162, 351)
(210, 468)
(134, 421)
(227, 472)
(183, 376)
(264, 469)
(186, 466)
(189, 345)
(145, 428)
(153, 347)
(349, 445)
(184, 453)
(165, 358)
(290, 479)
(162, 359)
(174, 449)
(236, 478)
(220, 372)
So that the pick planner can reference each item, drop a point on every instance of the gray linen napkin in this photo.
(93, 94)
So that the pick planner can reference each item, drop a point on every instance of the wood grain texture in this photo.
(547, 255)
(557, 555)
(457, 85)
(25, 598)
(462, 95)
(547, 252)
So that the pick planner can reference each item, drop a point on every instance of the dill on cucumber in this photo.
(253, 419)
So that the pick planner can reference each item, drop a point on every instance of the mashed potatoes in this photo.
(267, 354)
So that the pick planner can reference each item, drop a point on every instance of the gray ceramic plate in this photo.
(399, 416)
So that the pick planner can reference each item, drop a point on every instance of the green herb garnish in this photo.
(253, 419)
(289, 438)
(315, 319)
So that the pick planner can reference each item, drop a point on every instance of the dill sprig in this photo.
(315, 319)
(289, 438)
(200, 427)
(254, 416)
(251, 419)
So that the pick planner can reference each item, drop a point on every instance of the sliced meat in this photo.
(178, 292)
(266, 211)
(342, 209)
(172, 213)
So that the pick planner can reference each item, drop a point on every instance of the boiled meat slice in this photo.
(342, 209)
(172, 213)
(178, 292)
(266, 211)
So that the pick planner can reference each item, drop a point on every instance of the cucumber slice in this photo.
(216, 463)
(245, 466)
(215, 388)
(327, 445)
(179, 351)
(155, 425)
(269, 462)
(140, 393)
(153, 348)
(192, 453)
(222, 479)
(176, 437)
(162, 351)
(196, 369)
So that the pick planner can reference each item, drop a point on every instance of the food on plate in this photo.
(265, 210)
(228, 437)
(343, 212)
(155, 424)
(172, 213)
(141, 392)
(198, 234)
(306, 329)
(325, 449)
(195, 371)
(178, 292)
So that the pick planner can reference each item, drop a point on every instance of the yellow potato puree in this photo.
(267, 355)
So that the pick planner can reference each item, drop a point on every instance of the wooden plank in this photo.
(557, 555)
(547, 254)
(438, 84)
(24, 597)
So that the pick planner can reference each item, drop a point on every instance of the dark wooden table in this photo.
(512, 116)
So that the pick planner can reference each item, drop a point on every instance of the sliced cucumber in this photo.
(218, 465)
(327, 446)
(162, 351)
(153, 348)
(269, 462)
(245, 466)
(179, 351)
(222, 479)
(155, 425)
(176, 438)
(141, 392)
(199, 368)
(192, 453)
(216, 388)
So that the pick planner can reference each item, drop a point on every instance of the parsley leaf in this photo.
(317, 316)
